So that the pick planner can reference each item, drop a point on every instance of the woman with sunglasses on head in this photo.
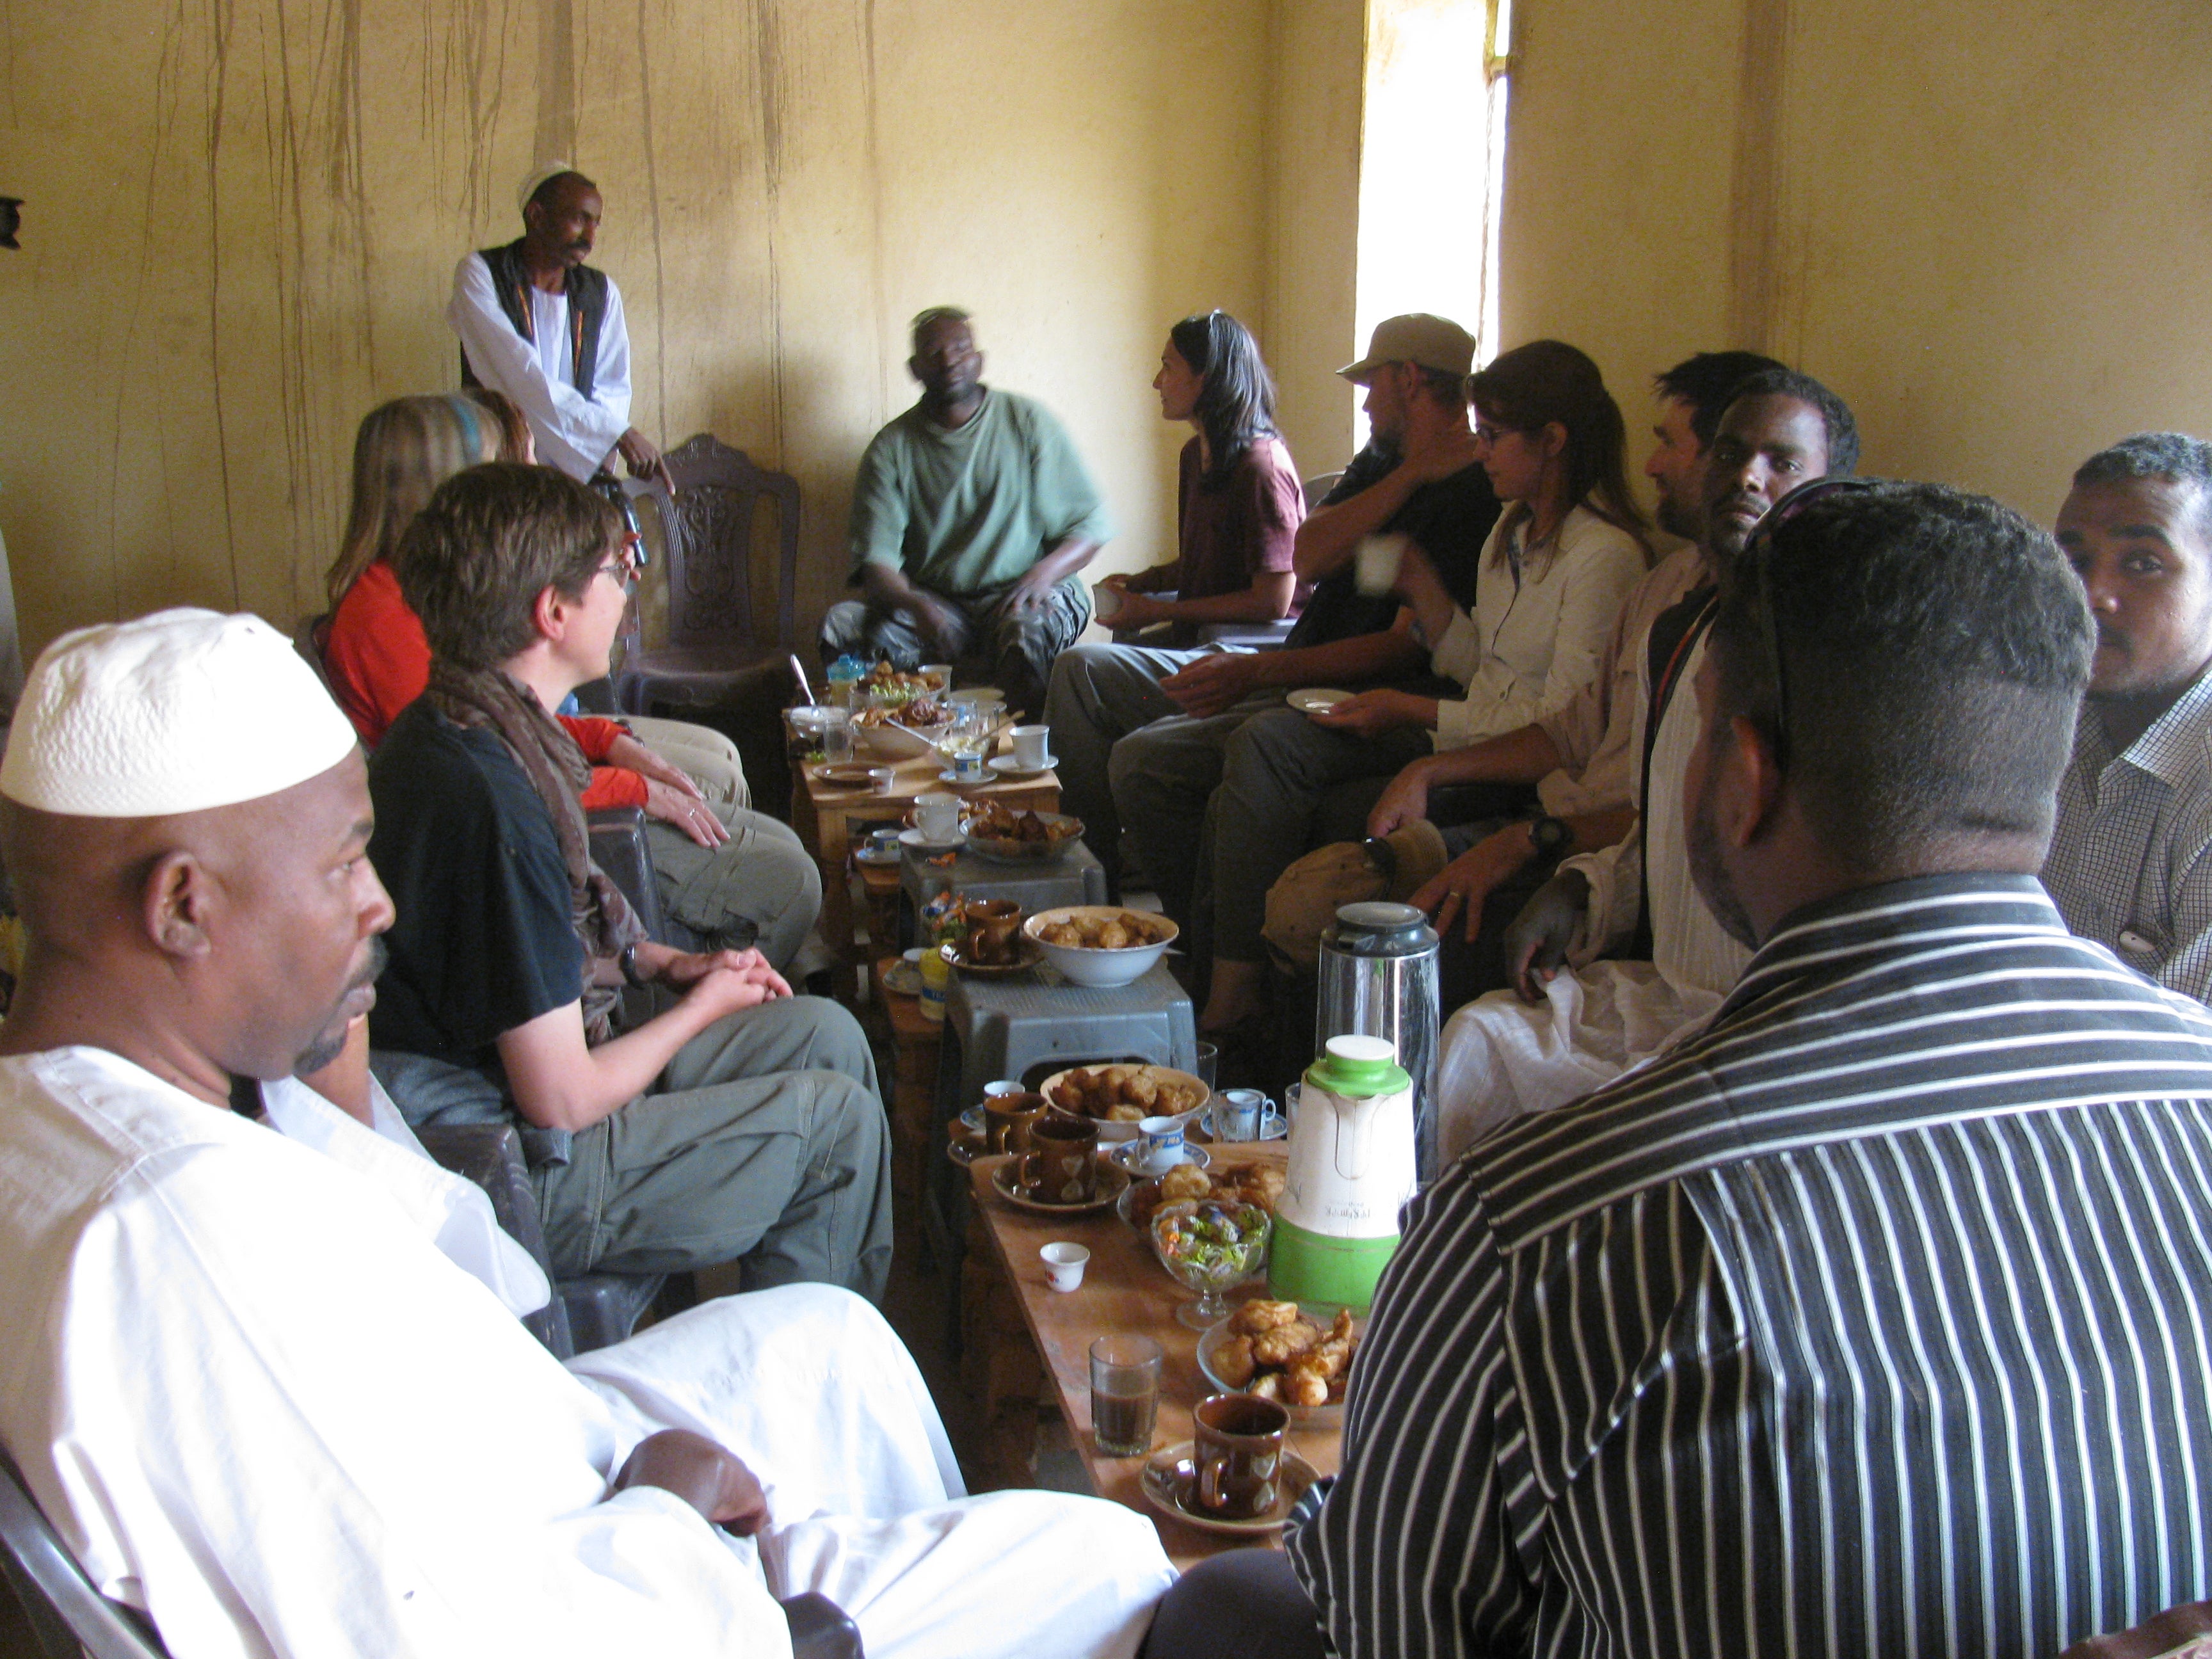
(1552, 577)
(1238, 506)
(726, 874)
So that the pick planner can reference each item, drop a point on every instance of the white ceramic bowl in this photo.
(893, 742)
(1102, 968)
(1111, 1134)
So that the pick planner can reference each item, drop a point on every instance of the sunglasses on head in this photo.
(1759, 555)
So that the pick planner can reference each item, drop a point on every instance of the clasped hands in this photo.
(711, 1479)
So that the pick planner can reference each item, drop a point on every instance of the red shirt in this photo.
(1231, 534)
(378, 661)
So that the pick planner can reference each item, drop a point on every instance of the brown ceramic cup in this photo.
(1006, 1120)
(1061, 1164)
(993, 925)
(1238, 1454)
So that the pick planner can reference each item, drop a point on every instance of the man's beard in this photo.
(330, 1043)
(1679, 518)
(1710, 874)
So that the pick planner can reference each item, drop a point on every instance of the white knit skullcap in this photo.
(174, 713)
(536, 177)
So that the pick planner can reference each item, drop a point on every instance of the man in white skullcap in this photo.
(539, 323)
(259, 1372)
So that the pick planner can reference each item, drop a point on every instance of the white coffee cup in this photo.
(1163, 1143)
(970, 765)
(1376, 569)
(1031, 751)
(1005, 1086)
(936, 815)
(1238, 1113)
(1105, 600)
(884, 779)
(1064, 1263)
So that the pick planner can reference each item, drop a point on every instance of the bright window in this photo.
(1431, 164)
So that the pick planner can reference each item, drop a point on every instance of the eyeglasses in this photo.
(630, 559)
(1759, 554)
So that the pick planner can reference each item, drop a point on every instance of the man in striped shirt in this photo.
(2131, 862)
(1877, 1318)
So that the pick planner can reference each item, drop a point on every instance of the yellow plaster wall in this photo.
(1987, 228)
(243, 216)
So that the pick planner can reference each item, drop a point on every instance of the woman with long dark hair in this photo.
(1238, 506)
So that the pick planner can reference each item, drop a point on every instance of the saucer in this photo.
(1113, 1182)
(1167, 1478)
(950, 776)
(1127, 1156)
(901, 977)
(964, 1150)
(870, 855)
(920, 842)
(1314, 699)
(1027, 954)
(1274, 1125)
(1007, 767)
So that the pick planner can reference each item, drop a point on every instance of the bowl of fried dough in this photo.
(1101, 945)
(1300, 1357)
(1117, 1097)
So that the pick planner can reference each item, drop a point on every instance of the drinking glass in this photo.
(1125, 1392)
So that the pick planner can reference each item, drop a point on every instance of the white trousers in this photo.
(818, 1396)
(1500, 1057)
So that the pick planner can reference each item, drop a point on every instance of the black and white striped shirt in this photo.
(1875, 1320)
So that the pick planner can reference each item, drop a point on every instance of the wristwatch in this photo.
(1553, 838)
(628, 962)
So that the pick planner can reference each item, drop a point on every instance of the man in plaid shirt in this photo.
(2131, 861)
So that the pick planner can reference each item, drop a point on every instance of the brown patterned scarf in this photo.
(557, 770)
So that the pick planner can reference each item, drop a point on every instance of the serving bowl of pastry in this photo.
(1011, 837)
(905, 732)
(1118, 1097)
(1281, 1350)
(1101, 945)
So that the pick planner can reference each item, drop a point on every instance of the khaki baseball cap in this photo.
(1435, 342)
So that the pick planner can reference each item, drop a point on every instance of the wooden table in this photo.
(1124, 1288)
(828, 817)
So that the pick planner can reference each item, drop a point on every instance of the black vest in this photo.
(586, 293)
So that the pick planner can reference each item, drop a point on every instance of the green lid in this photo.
(1357, 1066)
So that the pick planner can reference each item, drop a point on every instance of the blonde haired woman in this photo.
(726, 874)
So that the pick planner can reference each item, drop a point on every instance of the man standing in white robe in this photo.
(539, 323)
(1559, 1034)
(246, 1377)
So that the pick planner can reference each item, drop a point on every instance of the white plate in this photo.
(1128, 1153)
(1314, 699)
(1007, 767)
(914, 838)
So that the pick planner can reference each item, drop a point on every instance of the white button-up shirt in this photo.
(573, 432)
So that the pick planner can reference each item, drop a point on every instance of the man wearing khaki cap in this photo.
(262, 1369)
(1416, 477)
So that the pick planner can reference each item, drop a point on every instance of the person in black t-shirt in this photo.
(743, 1122)
(1418, 476)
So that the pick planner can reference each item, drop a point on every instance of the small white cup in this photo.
(1237, 1113)
(1064, 1264)
(970, 766)
(1376, 568)
(1005, 1086)
(1030, 749)
(884, 779)
(936, 815)
(1105, 600)
(1163, 1143)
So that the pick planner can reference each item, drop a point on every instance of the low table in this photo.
(1124, 1288)
(828, 817)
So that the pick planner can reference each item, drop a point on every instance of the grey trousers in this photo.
(1016, 649)
(1099, 695)
(761, 887)
(1276, 769)
(1162, 776)
(764, 1144)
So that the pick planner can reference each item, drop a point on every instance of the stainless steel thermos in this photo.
(1378, 978)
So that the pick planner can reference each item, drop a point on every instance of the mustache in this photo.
(379, 954)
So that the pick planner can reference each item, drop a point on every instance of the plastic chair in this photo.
(70, 1619)
(706, 537)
